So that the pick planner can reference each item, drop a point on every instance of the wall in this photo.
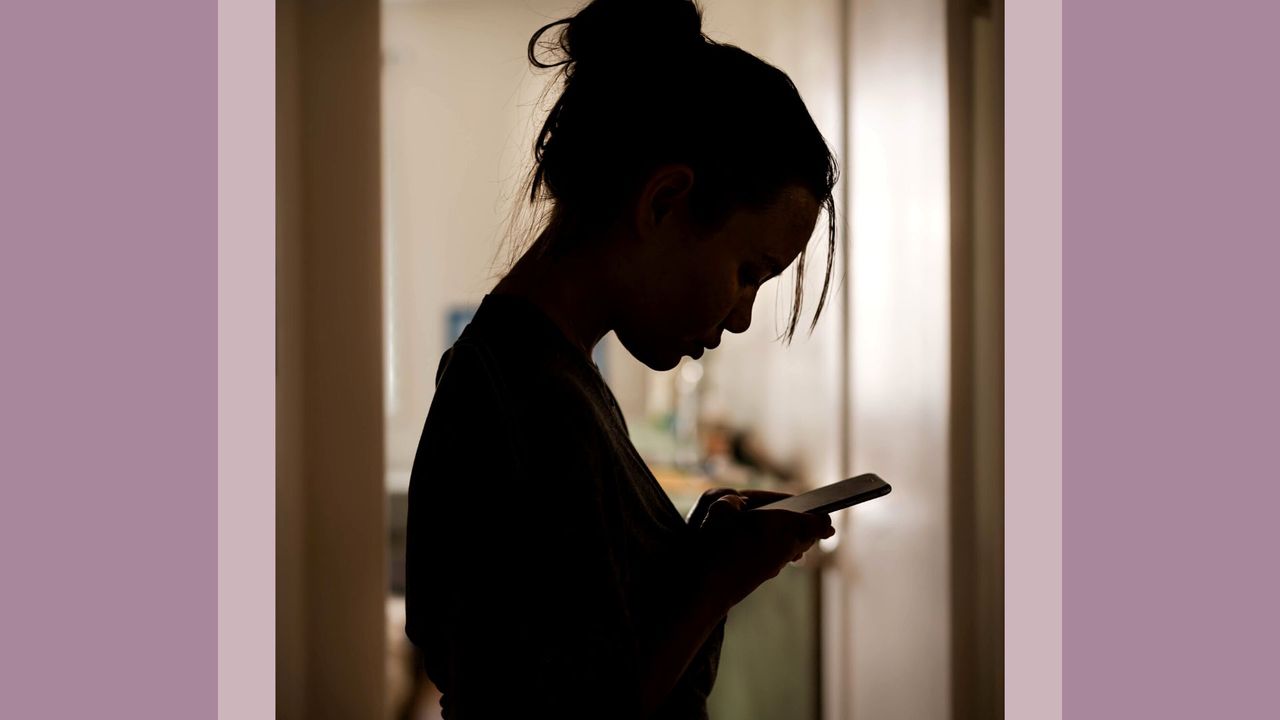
(895, 555)
(291, 608)
(975, 41)
(330, 559)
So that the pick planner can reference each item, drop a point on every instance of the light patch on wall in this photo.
(895, 553)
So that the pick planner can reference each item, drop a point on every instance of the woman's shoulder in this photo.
(511, 373)
(507, 421)
(541, 395)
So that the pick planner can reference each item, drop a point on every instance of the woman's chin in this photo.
(663, 362)
(667, 365)
(659, 358)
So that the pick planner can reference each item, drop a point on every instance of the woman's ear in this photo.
(665, 194)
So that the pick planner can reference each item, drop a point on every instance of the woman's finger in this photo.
(817, 525)
(725, 505)
(800, 524)
(717, 493)
(699, 510)
(756, 498)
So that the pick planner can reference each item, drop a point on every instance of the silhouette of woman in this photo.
(548, 574)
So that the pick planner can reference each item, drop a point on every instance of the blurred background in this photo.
(404, 128)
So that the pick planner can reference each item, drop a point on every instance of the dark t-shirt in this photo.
(541, 550)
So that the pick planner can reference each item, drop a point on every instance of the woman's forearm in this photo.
(674, 643)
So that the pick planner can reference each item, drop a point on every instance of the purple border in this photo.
(1171, 378)
(108, 391)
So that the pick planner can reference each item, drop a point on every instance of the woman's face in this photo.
(685, 288)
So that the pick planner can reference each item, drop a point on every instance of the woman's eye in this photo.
(748, 275)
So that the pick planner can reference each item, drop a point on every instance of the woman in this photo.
(548, 574)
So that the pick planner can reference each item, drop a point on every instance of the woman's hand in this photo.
(743, 548)
(754, 498)
(699, 511)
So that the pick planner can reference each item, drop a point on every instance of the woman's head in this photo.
(699, 155)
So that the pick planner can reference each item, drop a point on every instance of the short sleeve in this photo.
(512, 588)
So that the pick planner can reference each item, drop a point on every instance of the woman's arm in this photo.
(675, 642)
(734, 552)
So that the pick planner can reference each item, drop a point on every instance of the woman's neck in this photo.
(570, 290)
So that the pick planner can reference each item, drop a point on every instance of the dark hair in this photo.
(643, 87)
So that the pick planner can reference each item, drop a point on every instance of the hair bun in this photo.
(617, 34)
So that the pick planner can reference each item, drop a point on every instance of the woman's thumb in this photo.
(726, 505)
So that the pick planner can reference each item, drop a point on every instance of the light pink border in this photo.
(246, 359)
(1033, 359)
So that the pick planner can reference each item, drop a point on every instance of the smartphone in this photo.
(836, 496)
